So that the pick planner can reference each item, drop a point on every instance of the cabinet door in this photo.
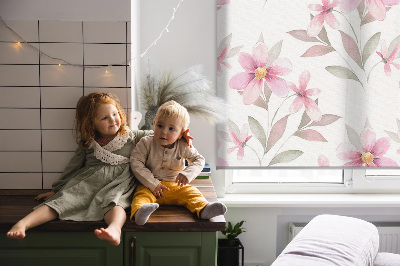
(61, 249)
(170, 248)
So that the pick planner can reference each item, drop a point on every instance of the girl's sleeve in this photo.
(76, 163)
(138, 165)
(195, 160)
(139, 134)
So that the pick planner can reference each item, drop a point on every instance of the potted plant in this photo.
(228, 249)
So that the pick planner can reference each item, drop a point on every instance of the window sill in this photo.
(311, 200)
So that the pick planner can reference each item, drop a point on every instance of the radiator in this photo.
(389, 235)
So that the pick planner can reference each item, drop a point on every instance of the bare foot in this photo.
(17, 231)
(110, 234)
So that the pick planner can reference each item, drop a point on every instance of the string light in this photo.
(164, 30)
(83, 66)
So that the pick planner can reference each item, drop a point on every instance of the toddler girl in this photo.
(97, 183)
(158, 162)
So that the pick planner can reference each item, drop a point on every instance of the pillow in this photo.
(333, 240)
(387, 259)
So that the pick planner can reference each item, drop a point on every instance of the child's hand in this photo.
(45, 196)
(187, 137)
(181, 180)
(158, 191)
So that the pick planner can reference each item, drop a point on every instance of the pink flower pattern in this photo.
(240, 142)
(325, 15)
(371, 154)
(256, 72)
(377, 8)
(223, 2)
(323, 161)
(388, 60)
(221, 162)
(263, 67)
(220, 60)
(303, 99)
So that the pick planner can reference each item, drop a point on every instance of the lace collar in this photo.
(117, 143)
(105, 154)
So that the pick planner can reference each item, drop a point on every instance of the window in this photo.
(312, 181)
(288, 176)
(377, 180)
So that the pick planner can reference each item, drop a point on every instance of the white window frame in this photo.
(372, 184)
(355, 181)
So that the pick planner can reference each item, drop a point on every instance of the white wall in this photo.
(40, 133)
(191, 40)
(71, 10)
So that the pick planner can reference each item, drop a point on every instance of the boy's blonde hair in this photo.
(175, 110)
(86, 109)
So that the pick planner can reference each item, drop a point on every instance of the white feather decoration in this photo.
(191, 89)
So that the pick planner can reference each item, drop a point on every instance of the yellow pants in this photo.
(187, 196)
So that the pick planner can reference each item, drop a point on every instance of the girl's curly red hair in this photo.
(86, 108)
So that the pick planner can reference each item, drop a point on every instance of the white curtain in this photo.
(309, 83)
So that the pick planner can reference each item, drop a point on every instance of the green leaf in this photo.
(234, 51)
(323, 35)
(224, 43)
(233, 231)
(305, 119)
(351, 47)
(310, 135)
(367, 19)
(393, 44)
(342, 72)
(232, 126)
(274, 52)
(370, 47)
(229, 227)
(223, 135)
(393, 136)
(326, 119)
(286, 156)
(260, 102)
(354, 137)
(367, 124)
(302, 36)
(277, 131)
(318, 50)
(261, 38)
(360, 9)
(258, 131)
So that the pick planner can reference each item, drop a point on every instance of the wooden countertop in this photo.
(15, 204)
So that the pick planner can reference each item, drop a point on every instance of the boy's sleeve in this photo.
(195, 160)
(76, 163)
(138, 164)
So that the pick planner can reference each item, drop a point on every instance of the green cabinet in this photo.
(136, 249)
(170, 248)
(59, 248)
